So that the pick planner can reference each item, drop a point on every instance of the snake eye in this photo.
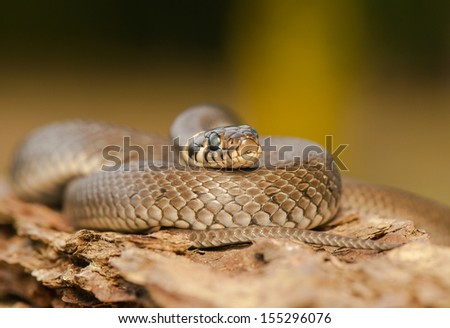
(214, 141)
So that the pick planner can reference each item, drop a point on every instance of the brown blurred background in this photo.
(375, 74)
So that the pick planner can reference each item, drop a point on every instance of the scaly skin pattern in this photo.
(283, 196)
(297, 197)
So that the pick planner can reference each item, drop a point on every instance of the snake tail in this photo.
(230, 236)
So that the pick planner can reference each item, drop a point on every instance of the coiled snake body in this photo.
(216, 186)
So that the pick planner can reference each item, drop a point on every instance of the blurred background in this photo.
(375, 74)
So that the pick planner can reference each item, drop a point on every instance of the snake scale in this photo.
(219, 182)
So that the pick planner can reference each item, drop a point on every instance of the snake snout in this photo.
(250, 150)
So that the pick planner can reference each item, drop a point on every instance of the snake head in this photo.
(231, 147)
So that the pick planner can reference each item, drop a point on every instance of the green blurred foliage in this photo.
(412, 35)
(112, 28)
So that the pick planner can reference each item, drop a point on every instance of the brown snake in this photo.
(226, 194)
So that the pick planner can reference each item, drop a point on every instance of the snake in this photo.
(215, 180)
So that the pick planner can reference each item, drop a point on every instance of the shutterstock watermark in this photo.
(274, 155)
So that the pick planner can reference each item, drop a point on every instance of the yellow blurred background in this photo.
(374, 74)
